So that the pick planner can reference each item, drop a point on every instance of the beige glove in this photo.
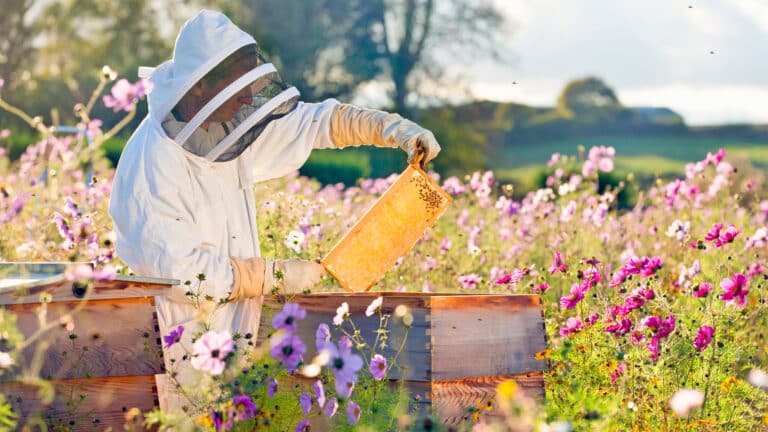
(258, 276)
(354, 126)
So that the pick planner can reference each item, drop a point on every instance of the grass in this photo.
(638, 149)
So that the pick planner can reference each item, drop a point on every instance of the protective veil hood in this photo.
(249, 92)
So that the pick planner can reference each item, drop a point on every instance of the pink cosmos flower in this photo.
(703, 338)
(343, 362)
(572, 325)
(470, 281)
(702, 290)
(727, 236)
(620, 327)
(541, 287)
(618, 372)
(558, 265)
(714, 232)
(573, 298)
(378, 367)
(210, 351)
(353, 413)
(735, 289)
(125, 95)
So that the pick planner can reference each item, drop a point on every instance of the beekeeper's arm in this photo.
(155, 238)
(354, 126)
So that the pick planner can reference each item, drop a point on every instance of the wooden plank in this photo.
(64, 292)
(451, 400)
(106, 399)
(475, 336)
(113, 338)
(413, 362)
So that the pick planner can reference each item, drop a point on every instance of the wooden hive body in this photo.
(111, 354)
(458, 348)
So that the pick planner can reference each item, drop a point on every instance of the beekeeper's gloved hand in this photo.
(259, 276)
(354, 126)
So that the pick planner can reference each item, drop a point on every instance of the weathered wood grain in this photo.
(453, 399)
(105, 404)
(109, 338)
(485, 336)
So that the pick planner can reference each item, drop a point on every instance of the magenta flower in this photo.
(378, 367)
(714, 232)
(125, 95)
(210, 351)
(272, 388)
(573, 298)
(288, 317)
(289, 348)
(702, 290)
(727, 236)
(174, 337)
(734, 289)
(305, 400)
(703, 338)
(242, 409)
(353, 413)
(470, 281)
(572, 325)
(618, 372)
(218, 422)
(541, 287)
(319, 393)
(331, 407)
(558, 265)
(620, 327)
(662, 328)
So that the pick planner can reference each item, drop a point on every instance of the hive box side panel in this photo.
(118, 337)
(477, 336)
(413, 362)
(452, 400)
(106, 399)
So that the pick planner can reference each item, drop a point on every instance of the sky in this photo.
(705, 59)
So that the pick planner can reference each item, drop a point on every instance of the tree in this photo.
(15, 39)
(413, 32)
(588, 99)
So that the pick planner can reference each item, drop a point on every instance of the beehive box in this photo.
(109, 353)
(458, 347)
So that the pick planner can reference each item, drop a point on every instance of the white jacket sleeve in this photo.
(286, 143)
(155, 237)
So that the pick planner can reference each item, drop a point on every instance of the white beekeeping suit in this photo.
(182, 199)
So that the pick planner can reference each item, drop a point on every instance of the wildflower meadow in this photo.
(655, 311)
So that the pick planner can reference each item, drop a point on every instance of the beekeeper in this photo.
(221, 119)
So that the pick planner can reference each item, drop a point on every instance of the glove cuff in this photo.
(249, 278)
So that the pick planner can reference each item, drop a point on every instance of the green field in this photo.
(646, 157)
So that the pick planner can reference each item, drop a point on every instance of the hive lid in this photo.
(387, 231)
